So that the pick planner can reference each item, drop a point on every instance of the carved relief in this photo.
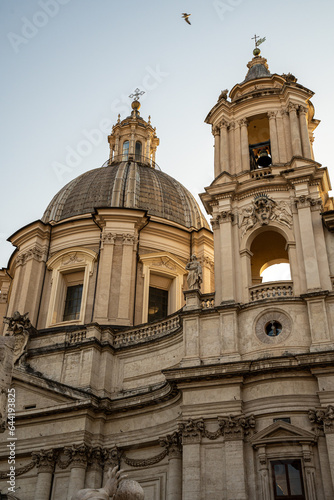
(307, 201)
(263, 210)
(112, 456)
(322, 419)
(33, 253)
(129, 239)
(78, 453)
(191, 430)
(164, 262)
(108, 238)
(223, 123)
(45, 460)
(243, 122)
(215, 130)
(71, 258)
(226, 216)
(236, 427)
(172, 443)
(19, 327)
(207, 262)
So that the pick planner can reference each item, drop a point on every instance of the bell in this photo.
(263, 160)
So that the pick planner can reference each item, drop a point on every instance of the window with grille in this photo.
(73, 302)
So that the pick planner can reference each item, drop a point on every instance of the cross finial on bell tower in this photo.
(258, 42)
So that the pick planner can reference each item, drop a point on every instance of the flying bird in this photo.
(186, 17)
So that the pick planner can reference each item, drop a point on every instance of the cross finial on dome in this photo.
(136, 94)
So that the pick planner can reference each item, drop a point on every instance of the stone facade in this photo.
(229, 395)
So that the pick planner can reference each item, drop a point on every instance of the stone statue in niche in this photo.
(19, 327)
(194, 278)
(263, 210)
(116, 488)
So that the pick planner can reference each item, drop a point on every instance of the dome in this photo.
(127, 184)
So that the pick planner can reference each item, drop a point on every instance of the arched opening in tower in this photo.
(270, 259)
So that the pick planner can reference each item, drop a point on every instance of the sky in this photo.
(70, 65)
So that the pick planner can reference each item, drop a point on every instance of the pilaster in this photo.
(306, 147)
(244, 144)
(172, 443)
(191, 432)
(79, 459)
(216, 134)
(310, 260)
(294, 129)
(224, 147)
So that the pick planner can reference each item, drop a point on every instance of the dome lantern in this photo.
(133, 139)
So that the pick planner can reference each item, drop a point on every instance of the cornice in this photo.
(249, 368)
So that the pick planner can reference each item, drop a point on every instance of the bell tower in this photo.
(269, 197)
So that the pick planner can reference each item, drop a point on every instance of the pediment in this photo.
(282, 431)
(34, 392)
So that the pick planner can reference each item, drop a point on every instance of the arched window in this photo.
(269, 249)
(138, 151)
(125, 152)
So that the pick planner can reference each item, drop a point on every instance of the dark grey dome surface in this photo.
(257, 71)
(127, 185)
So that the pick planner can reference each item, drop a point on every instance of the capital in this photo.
(45, 460)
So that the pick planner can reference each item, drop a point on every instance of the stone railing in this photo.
(75, 337)
(271, 290)
(147, 332)
(208, 301)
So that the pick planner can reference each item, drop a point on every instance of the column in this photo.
(273, 137)
(94, 470)
(287, 133)
(227, 258)
(172, 442)
(237, 149)
(216, 134)
(224, 147)
(246, 276)
(306, 147)
(293, 260)
(78, 464)
(191, 464)
(294, 128)
(231, 147)
(283, 158)
(244, 144)
(45, 463)
(108, 240)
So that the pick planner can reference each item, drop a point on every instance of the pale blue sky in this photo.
(69, 65)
